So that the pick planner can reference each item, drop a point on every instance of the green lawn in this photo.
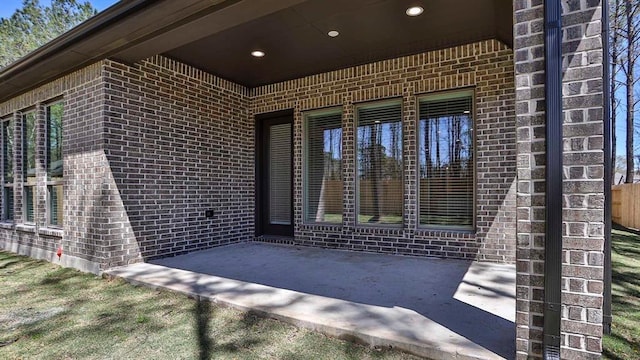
(384, 219)
(624, 341)
(49, 312)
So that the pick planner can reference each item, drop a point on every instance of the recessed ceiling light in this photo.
(333, 33)
(257, 53)
(415, 11)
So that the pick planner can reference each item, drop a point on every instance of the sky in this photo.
(8, 7)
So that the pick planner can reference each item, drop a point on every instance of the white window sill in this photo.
(49, 231)
(30, 228)
(7, 225)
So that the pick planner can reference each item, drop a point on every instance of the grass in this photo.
(49, 312)
(624, 341)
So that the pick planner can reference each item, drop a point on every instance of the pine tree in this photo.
(34, 25)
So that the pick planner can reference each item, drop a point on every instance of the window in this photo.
(29, 165)
(323, 191)
(7, 169)
(446, 160)
(379, 163)
(55, 188)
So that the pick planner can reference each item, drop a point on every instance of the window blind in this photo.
(280, 174)
(323, 167)
(56, 196)
(29, 211)
(7, 169)
(8, 202)
(446, 155)
(379, 153)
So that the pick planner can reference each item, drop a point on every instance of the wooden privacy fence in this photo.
(391, 191)
(443, 195)
(625, 201)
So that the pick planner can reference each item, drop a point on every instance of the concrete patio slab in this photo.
(440, 309)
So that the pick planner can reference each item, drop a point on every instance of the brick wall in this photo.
(530, 123)
(82, 94)
(178, 141)
(488, 67)
(583, 218)
(583, 215)
(150, 147)
(147, 149)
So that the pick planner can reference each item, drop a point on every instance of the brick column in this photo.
(297, 145)
(349, 212)
(530, 136)
(583, 215)
(409, 138)
(583, 186)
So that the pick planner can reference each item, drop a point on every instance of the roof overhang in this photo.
(218, 35)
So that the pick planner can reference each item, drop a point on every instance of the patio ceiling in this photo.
(296, 43)
(218, 35)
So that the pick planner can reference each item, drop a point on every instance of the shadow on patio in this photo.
(431, 307)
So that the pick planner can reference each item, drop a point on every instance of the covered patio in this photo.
(436, 308)
(474, 130)
(289, 62)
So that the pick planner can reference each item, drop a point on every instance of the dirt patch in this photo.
(18, 317)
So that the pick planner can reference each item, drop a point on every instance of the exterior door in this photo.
(275, 173)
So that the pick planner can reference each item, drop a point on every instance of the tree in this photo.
(620, 170)
(630, 33)
(615, 51)
(34, 25)
(375, 146)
